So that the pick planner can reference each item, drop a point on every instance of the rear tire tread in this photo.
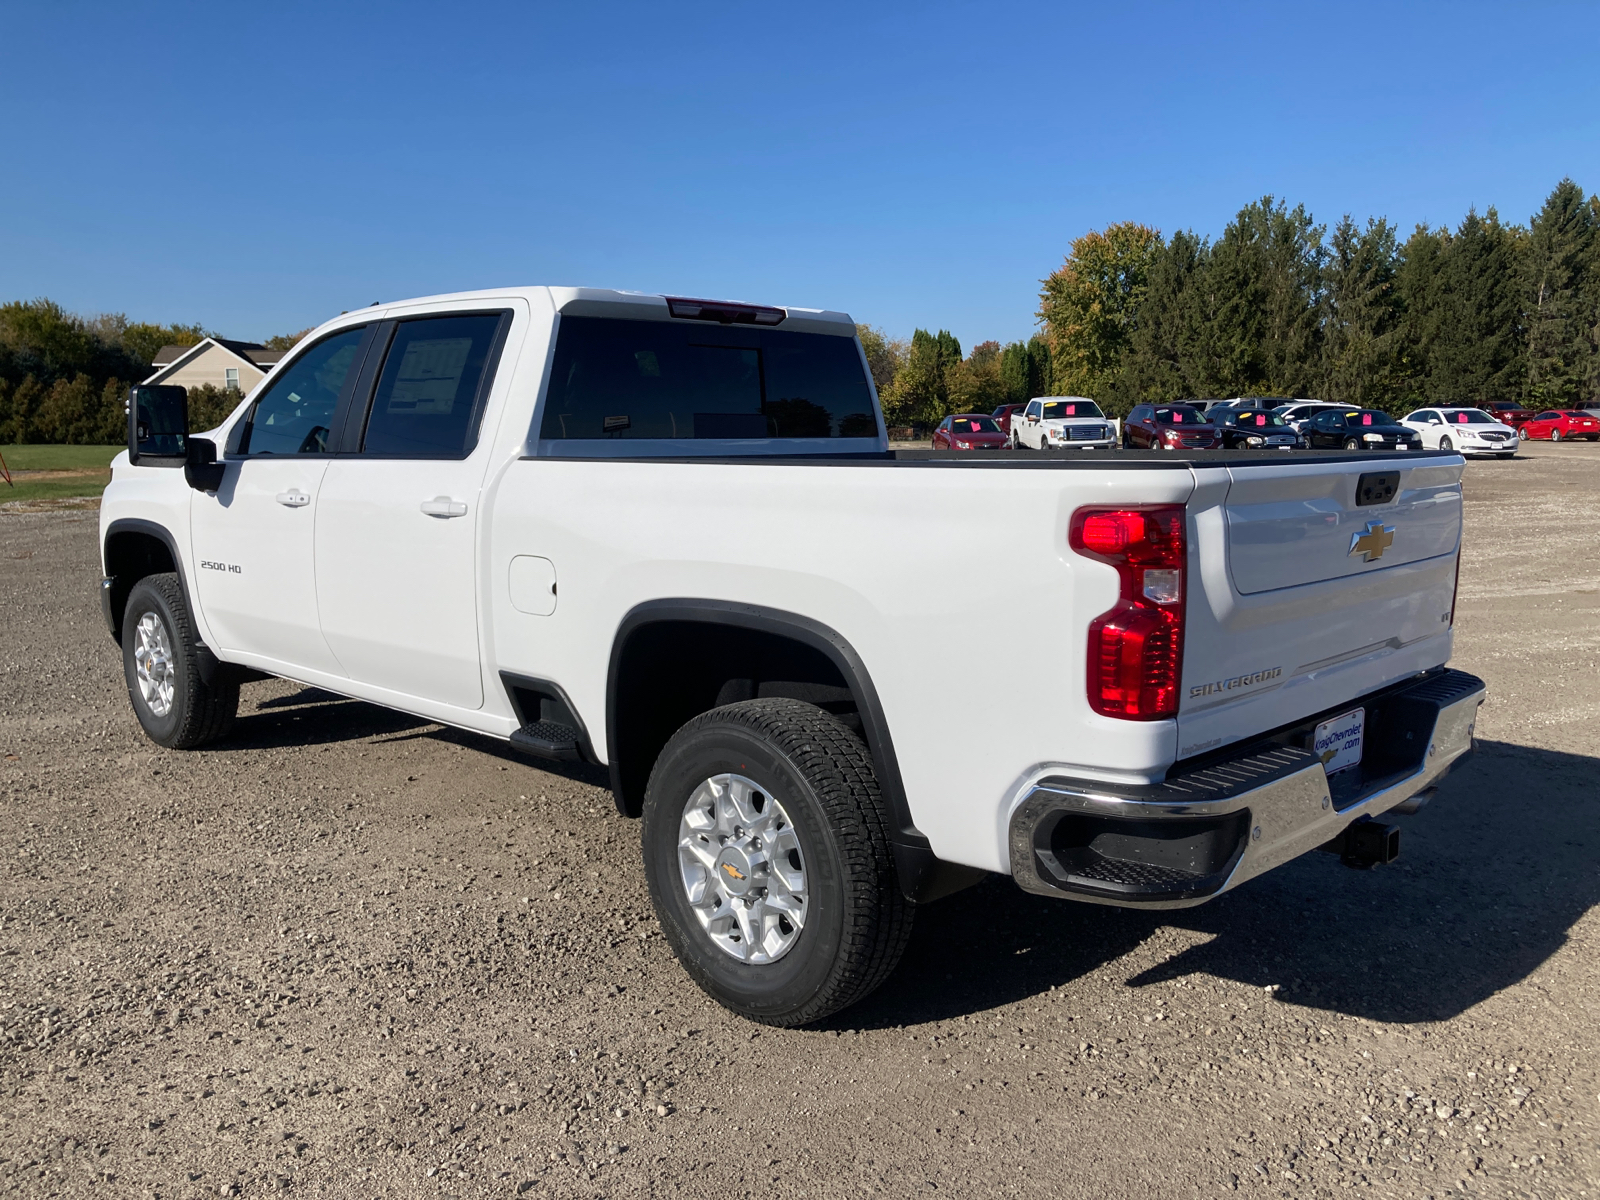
(838, 767)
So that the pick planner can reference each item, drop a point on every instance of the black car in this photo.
(1359, 429)
(1252, 429)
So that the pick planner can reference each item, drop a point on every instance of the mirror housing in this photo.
(201, 467)
(158, 425)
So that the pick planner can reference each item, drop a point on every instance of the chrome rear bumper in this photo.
(1199, 833)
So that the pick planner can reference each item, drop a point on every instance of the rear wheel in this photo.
(1351, 444)
(766, 850)
(160, 659)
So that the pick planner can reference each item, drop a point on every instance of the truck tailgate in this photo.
(1318, 583)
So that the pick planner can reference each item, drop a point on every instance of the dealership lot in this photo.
(350, 953)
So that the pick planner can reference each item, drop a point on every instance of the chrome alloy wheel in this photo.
(742, 873)
(152, 664)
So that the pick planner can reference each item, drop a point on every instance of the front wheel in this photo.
(767, 854)
(176, 706)
(1446, 444)
(1351, 444)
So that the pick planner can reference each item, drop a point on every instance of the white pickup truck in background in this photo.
(1061, 422)
(667, 536)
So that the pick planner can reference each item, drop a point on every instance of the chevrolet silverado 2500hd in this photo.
(667, 536)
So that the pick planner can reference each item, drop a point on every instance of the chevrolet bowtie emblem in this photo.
(732, 870)
(1373, 541)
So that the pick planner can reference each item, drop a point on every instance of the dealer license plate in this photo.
(1338, 741)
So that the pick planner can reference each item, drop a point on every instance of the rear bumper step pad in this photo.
(1209, 827)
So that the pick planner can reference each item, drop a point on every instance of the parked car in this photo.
(1559, 424)
(1297, 414)
(1260, 402)
(1507, 412)
(968, 431)
(1002, 416)
(1469, 430)
(1052, 422)
(1169, 427)
(1360, 429)
(1253, 429)
(749, 587)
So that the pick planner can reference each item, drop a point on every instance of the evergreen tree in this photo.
(1477, 347)
(1560, 297)
(1360, 316)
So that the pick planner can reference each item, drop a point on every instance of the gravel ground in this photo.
(353, 954)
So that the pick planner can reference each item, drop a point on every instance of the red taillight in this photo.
(1136, 649)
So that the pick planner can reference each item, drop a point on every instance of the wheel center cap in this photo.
(733, 870)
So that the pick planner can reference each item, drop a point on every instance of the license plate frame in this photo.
(1339, 741)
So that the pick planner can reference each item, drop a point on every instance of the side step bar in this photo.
(547, 739)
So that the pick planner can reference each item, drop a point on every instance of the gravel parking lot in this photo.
(354, 954)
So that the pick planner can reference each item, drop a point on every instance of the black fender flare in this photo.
(206, 660)
(923, 877)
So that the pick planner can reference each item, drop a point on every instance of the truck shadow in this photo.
(1491, 877)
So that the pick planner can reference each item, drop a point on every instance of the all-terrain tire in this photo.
(198, 712)
(857, 921)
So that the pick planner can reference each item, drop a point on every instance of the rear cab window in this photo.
(623, 380)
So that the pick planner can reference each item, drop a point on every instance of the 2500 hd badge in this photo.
(1234, 682)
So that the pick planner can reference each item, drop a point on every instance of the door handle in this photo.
(443, 506)
(293, 498)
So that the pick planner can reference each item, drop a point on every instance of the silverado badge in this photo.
(1373, 541)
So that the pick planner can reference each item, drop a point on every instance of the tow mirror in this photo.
(158, 425)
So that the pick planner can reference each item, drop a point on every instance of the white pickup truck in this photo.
(1063, 422)
(668, 536)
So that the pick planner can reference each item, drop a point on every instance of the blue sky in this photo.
(259, 168)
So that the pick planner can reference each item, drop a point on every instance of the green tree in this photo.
(1477, 352)
(977, 384)
(1265, 279)
(885, 355)
(288, 341)
(920, 394)
(1090, 305)
(1360, 316)
(1170, 353)
(1025, 370)
(1560, 299)
(143, 339)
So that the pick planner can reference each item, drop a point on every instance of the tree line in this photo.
(64, 378)
(1278, 306)
(1275, 306)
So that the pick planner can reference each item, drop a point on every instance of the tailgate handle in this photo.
(1377, 487)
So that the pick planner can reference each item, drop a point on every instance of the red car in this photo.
(1508, 412)
(1560, 424)
(1002, 416)
(1169, 427)
(969, 431)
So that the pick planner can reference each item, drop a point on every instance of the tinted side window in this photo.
(670, 379)
(429, 395)
(294, 414)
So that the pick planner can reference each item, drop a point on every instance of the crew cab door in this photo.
(252, 540)
(398, 518)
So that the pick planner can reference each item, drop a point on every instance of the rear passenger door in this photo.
(398, 516)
